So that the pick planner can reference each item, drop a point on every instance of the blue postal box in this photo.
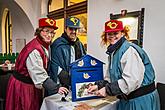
(84, 72)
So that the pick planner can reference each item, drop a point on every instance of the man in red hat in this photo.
(131, 73)
(30, 76)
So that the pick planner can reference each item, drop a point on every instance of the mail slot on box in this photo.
(84, 72)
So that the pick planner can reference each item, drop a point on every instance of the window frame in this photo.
(140, 15)
(71, 10)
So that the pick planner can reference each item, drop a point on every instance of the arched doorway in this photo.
(6, 32)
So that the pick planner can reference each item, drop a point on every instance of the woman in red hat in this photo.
(131, 73)
(30, 75)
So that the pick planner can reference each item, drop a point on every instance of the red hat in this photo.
(113, 26)
(47, 22)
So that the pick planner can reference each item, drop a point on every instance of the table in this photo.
(54, 103)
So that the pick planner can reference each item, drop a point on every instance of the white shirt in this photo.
(36, 69)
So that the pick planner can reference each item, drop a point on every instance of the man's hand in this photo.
(63, 90)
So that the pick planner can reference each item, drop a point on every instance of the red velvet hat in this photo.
(113, 26)
(47, 22)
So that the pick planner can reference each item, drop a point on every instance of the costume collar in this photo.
(111, 48)
(44, 44)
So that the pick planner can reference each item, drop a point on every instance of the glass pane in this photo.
(60, 30)
(73, 2)
(56, 4)
(132, 24)
(82, 32)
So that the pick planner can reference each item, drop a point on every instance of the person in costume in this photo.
(132, 76)
(65, 50)
(25, 88)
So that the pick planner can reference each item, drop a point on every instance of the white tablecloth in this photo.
(54, 103)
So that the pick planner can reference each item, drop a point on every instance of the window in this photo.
(82, 32)
(56, 4)
(73, 2)
(60, 30)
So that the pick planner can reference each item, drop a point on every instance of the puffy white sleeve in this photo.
(106, 70)
(36, 69)
(133, 71)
